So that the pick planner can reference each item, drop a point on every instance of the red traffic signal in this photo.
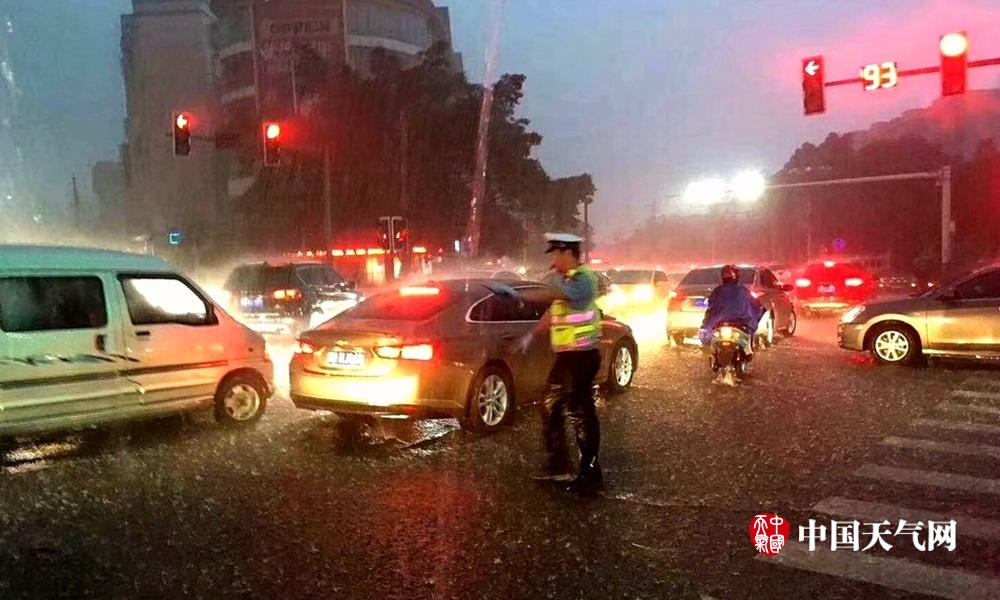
(954, 63)
(182, 133)
(813, 74)
(271, 133)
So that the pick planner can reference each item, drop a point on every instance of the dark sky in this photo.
(645, 94)
(65, 58)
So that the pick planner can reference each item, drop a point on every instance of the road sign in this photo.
(813, 101)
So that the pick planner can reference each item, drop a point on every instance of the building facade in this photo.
(231, 64)
(168, 66)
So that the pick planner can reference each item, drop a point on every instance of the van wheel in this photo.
(490, 403)
(240, 400)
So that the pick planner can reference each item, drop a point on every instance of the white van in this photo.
(89, 336)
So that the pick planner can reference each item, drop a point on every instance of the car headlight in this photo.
(852, 314)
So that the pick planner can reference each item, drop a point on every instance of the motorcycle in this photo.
(729, 358)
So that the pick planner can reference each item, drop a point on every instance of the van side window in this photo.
(51, 303)
(158, 300)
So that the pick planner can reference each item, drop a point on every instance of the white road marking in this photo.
(984, 529)
(958, 426)
(965, 483)
(894, 573)
(975, 395)
(964, 449)
(954, 406)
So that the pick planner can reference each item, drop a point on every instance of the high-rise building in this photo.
(232, 63)
(168, 66)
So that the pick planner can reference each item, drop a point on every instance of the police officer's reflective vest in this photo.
(576, 329)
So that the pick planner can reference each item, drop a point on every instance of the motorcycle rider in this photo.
(731, 302)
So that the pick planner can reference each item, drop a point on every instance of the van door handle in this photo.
(101, 342)
(143, 334)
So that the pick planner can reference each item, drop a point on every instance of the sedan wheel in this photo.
(491, 400)
(623, 362)
(793, 323)
(894, 346)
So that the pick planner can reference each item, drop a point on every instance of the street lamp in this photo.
(748, 186)
(705, 192)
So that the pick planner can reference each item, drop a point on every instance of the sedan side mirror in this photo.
(786, 287)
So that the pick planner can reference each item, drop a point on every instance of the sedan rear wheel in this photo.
(793, 323)
(491, 400)
(623, 361)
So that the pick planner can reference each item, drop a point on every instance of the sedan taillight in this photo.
(408, 352)
(802, 282)
(854, 282)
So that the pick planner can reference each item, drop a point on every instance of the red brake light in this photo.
(410, 352)
(829, 264)
(419, 291)
(802, 282)
(854, 282)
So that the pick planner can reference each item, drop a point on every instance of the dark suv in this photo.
(288, 298)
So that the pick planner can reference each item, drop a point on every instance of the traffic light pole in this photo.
(942, 177)
(327, 199)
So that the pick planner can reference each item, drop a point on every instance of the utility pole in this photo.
(76, 205)
(586, 231)
(946, 224)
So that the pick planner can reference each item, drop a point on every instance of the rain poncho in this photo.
(731, 302)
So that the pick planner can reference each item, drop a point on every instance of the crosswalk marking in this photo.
(894, 573)
(975, 395)
(965, 483)
(956, 407)
(980, 381)
(958, 426)
(921, 444)
(984, 529)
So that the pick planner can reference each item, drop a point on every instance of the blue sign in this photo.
(175, 237)
(839, 244)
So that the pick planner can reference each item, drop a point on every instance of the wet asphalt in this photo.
(289, 509)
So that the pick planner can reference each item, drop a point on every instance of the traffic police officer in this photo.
(573, 322)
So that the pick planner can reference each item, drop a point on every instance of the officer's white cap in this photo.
(562, 241)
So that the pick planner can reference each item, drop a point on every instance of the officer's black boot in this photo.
(590, 480)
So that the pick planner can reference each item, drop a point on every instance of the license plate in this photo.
(701, 302)
(338, 358)
(826, 289)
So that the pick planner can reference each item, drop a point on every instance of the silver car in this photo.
(961, 319)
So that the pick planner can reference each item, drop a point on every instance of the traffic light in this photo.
(182, 134)
(385, 233)
(813, 73)
(271, 133)
(400, 234)
(954, 63)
